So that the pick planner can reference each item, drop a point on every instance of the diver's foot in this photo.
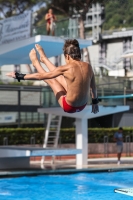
(41, 52)
(33, 56)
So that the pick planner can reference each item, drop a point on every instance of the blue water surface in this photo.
(81, 186)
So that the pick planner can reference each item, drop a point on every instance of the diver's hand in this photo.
(95, 108)
(11, 74)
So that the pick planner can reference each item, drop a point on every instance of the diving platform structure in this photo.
(18, 52)
(81, 125)
(19, 157)
(16, 157)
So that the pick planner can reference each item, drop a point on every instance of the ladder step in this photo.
(55, 117)
(50, 142)
(52, 131)
(52, 137)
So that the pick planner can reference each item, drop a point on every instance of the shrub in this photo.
(95, 135)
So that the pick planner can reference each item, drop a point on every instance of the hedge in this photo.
(18, 136)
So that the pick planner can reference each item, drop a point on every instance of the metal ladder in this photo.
(52, 133)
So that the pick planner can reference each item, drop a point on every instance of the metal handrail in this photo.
(21, 87)
(105, 139)
(5, 141)
(132, 136)
(110, 83)
(128, 140)
(108, 32)
(32, 140)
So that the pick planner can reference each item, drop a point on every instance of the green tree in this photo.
(118, 14)
(9, 8)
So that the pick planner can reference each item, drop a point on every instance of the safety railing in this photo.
(109, 32)
(49, 99)
(61, 28)
(22, 100)
(26, 99)
(128, 150)
(105, 140)
(32, 140)
(5, 141)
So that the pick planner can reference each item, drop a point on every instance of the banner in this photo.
(7, 117)
(15, 28)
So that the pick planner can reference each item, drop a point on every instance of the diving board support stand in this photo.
(81, 141)
(46, 135)
(82, 126)
(20, 156)
(47, 131)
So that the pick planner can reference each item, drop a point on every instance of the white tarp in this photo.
(15, 28)
(7, 117)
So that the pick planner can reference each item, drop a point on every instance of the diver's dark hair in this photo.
(71, 47)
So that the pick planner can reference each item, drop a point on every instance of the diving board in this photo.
(19, 157)
(86, 113)
(81, 125)
(18, 52)
(16, 151)
(127, 191)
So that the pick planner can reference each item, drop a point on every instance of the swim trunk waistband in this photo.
(70, 109)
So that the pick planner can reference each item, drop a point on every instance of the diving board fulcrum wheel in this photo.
(127, 191)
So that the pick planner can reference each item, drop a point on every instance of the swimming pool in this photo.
(80, 186)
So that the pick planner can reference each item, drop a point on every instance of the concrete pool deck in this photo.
(69, 166)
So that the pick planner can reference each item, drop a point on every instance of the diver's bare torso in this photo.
(78, 76)
(74, 80)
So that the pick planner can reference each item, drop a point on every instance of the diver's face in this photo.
(50, 11)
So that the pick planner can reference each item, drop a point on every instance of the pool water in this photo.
(81, 186)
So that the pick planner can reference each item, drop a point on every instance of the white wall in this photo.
(94, 54)
(114, 51)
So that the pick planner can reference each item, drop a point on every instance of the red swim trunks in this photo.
(70, 109)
